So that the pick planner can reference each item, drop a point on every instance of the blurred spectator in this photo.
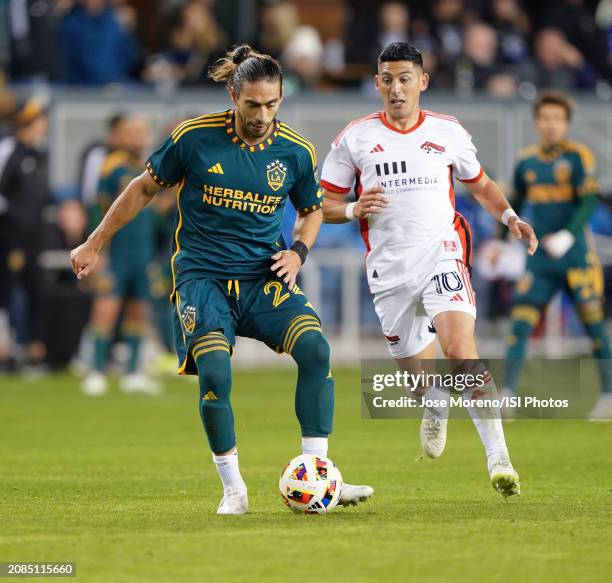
(577, 22)
(303, 57)
(25, 191)
(512, 27)
(96, 49)
(447, 28)
(394, 23)
(32, 29)
(559, 64)
(196, 42)
(479, 68)
(8, 102)
(242, 29)
(278, 22)
(603, 18)
(93, 157)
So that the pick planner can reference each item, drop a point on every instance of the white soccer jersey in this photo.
(416, 167)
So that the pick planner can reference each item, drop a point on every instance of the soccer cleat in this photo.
(504, 477)
(139, 383)
(603, 409)
(95, 384)
(433, 434)
(351, 495)
(233, 502)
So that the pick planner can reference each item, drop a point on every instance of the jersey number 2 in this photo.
(279, 296)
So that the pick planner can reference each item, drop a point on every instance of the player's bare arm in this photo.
(337, 210)
(288, 263)
(132, 200)
(493, 200)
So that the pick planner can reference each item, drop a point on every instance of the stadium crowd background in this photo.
(495, 46)
(500, 50)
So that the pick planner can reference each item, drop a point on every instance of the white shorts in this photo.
(407, 312)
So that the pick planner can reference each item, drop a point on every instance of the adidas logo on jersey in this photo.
(457, 298)
(216, 169)
(377, 148)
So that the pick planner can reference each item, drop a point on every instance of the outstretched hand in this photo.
(524, 232)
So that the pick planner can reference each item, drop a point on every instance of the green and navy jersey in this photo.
(135, 242)
(560, 186)
(231, 195)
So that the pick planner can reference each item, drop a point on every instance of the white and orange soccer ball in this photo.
(310, 484)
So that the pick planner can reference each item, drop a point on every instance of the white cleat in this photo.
(433, 434)
(233, 502)
(351, 495)
(95, 384)
(139, 383)
(508, 411)
(504, 477)
(602, 411)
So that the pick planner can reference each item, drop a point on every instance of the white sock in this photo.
(438, 394)
(487, 421)
(314, 446)
(229, 472)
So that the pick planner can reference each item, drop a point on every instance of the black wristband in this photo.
(301, 249)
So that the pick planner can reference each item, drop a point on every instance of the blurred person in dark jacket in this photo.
(93, 156)
(24, 193)
(196, 41)
(95, 46)
(32, 30)
(512, 27)
(480, 68)
(558, 64)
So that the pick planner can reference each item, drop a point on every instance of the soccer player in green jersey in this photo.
(123, 275)
(233, 275)
(557, 178)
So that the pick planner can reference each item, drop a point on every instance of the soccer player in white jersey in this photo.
(402, 162)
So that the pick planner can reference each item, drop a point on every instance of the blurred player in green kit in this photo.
(232, 273)
(556, 177)
(123, 274)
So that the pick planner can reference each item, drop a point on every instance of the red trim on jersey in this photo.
(465, 236)
(451, 190)
(355, 122)
(363, 223)
(475, 179)
(442, 116)
(467, 282)
(383, 118)
(333, 188)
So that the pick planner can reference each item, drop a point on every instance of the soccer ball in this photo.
(310, 484)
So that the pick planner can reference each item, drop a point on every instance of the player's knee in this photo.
(460, 348)
(525, 316)
(591, 312)
(214, 373)
(311, 350)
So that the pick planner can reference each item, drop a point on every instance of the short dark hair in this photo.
(244, 64)
(401, 51)
(115, 120)
(551, 97)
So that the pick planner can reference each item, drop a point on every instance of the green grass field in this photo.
(124, 485)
